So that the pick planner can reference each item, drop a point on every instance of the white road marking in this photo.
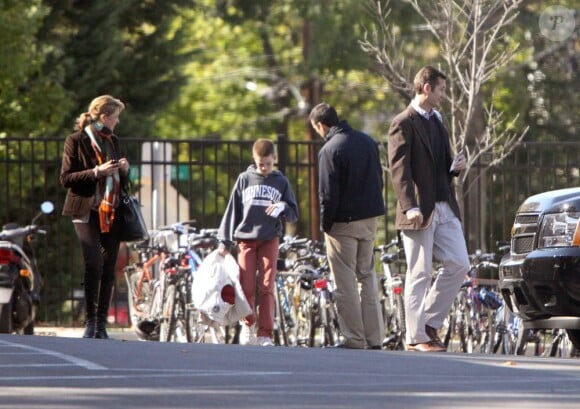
(18, 353)
(34, 365)
(151, 375)
(92, 366)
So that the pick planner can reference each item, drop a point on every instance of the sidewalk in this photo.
(122, 334)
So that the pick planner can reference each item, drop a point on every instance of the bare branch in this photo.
(470, 34)
(385, 50)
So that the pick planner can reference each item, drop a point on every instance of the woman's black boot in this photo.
(103, 308)
(90, 325)
(101, 330)
(91, 292)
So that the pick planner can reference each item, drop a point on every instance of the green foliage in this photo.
(537, 84)
(28, 94)
(255, 60)
(133, 51)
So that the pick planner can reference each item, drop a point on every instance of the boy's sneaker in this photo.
(247, 335)
(265, 341)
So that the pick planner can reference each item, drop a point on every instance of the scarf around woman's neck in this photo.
(109, 187)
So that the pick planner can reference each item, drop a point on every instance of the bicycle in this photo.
(181, 321)
(317, 305)
(392, 296)
(324, 328)
(145, 289)
(472, 318)
(291, 323)
(285, 315)
(306, 311)
(561, 345)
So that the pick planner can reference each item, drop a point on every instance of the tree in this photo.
(473, 50)
(28, 94)
(134, 51)
(551, 74)
(257, 60)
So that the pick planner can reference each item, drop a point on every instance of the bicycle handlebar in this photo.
(385, 247)
(14, 234)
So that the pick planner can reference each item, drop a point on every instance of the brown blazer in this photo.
(412, 167)
(77, 174)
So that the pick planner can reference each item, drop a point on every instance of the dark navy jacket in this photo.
(350, 177)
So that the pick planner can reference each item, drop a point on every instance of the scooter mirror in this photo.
(47, 207)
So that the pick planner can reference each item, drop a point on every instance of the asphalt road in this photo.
(67, 373)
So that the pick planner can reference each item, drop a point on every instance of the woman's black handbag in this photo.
(133, 226)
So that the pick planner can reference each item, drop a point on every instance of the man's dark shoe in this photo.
(426, 347)
(343, 346)
(432, 334)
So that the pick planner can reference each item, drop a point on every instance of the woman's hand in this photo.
(124, 165)
(107, 168)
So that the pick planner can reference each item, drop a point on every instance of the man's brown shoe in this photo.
(434, 336)
(426, 347)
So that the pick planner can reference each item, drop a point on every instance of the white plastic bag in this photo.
(217, 291)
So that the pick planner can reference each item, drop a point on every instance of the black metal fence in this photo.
(179, 180)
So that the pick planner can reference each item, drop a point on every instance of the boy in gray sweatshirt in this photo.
(260, 200)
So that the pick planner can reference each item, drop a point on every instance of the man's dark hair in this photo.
(324, 114)
(427, 75)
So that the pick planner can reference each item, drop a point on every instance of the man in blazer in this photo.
(427, 214)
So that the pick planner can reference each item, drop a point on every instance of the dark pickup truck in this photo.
(540, 278)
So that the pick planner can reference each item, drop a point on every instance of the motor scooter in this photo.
(20, 279)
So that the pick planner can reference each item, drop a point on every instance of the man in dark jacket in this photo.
(350, 190)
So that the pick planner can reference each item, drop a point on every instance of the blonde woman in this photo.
(94, 173)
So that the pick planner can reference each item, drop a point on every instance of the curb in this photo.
(77, 332)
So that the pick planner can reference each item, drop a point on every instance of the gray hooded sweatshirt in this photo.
(245, 217)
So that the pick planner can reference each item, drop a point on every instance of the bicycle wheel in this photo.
(217, 334)
(287, 299)
(448, 327)
(315, 321)
(139, 299)
(463, 325)
(455, 338)
(194, 328)
(400, 322)
(565, 346)
(574, 336)
(504, 335)
(332, 328)
(389, 322)
(488, 333)
(303, 323)
(179, 328)
(167, 316)
(472, 332)
(280, 337)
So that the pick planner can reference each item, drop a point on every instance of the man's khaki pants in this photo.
(428, 302)
(349, 248)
